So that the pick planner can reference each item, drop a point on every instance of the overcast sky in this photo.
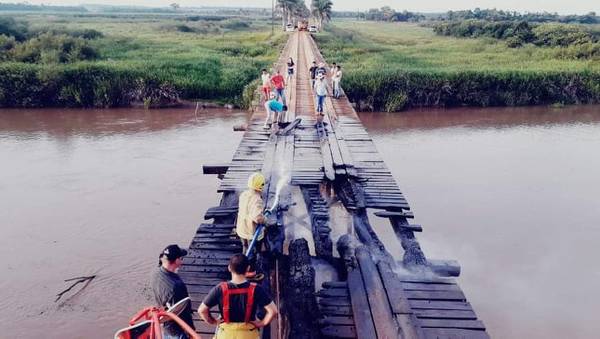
(560, 6)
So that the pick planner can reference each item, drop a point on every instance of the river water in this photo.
(512, 194)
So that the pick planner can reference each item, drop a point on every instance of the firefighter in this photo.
(250, 215)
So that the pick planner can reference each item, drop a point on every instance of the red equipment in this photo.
(149, 327)
(249, 291)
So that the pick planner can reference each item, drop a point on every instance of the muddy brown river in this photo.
(512, 194)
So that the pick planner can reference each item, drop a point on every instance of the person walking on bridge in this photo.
(169, 289)
(332, 70)
(290, 69)
(322, 69)
(238, 301)
(313, 74)
(336, 79)
(320, 92)
(266, 83)
(250, 215)
(279, 83)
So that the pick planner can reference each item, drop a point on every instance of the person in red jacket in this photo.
(279, 83)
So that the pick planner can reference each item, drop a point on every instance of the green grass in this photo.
(213, 62)
(412, 47)
(387, 61)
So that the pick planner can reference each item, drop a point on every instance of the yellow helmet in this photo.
(256, 181)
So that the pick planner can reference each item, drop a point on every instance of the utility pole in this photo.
(272, 17)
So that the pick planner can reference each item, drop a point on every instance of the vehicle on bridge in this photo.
(313, 29)
(303, 25)
(289, 28)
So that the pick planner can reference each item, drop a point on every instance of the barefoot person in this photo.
(336, 80)
(238, 301)
(273, 108)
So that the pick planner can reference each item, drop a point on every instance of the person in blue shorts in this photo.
(273, 107)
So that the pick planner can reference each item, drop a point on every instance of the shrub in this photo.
(396, 102)
(13, 28)
(235, 24)
(50, 48)
(516, 33)
(184, 28)
(561, 35)
(29, 85)
(393, 90)
(88, 34)
(6, 44)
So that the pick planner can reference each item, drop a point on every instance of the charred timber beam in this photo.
(240, 128)
(367, 235)
(413, 255)
(445, 268)
(319, 217)
(300, 301)
(215, 169)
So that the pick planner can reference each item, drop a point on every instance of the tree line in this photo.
(387, 13)
(500, 15)
(583, 43)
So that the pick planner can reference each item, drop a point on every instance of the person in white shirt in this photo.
(336, 79)
(333, 69)
(320, 92)
(266, 83)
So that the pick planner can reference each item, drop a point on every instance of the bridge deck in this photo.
(377, 296)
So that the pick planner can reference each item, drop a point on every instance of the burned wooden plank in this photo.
(336, 310)
(215, 169)
(391, 214)
(420, 286)
(335, 284)
(333, 292)
(219, 211)
(340, 332)
(452, 333)
(446, 314)
(440, 305)
(436, 295)
(452, 323)
(337, 320)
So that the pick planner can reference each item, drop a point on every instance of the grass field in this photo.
(202, 59)
(378, 56)
(410, 46)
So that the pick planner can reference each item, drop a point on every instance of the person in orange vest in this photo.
(238, 301)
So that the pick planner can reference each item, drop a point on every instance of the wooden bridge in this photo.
(371, 294)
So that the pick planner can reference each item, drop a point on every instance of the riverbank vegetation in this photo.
(113, 60)
(392, 66)
(386, 13)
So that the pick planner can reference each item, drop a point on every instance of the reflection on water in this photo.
(512, 194)
(98, 192)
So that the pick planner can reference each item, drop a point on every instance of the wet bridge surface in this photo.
(323, 177)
